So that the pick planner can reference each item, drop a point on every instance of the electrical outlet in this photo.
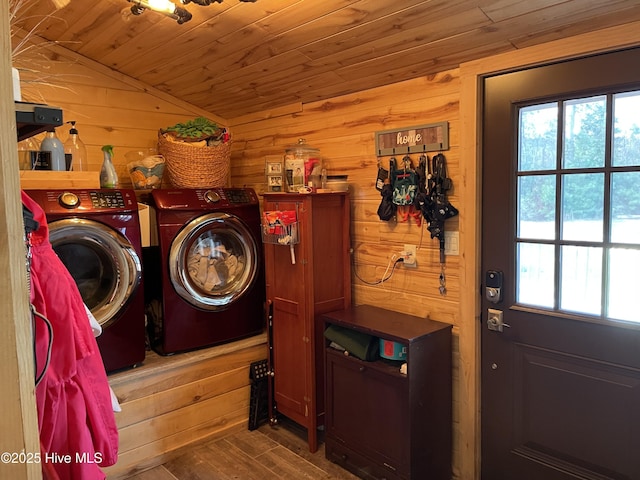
(409, 255)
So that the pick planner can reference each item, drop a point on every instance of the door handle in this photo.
(495, 321)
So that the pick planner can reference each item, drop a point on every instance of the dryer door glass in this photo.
(213, 261)
(104, 265)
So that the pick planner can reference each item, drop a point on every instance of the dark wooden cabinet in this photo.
(381, 423)
(318, 282)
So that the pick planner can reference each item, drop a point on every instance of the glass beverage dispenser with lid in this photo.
(303, 166)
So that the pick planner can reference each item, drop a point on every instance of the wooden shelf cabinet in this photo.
(318, 282)
(381, 423)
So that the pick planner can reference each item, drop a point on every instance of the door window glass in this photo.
(92, 269)
(536, 273)
(536, 202)
(581, 270)
(624, 275)
(578, 206)
(103, 264)
(584, 133)
(213, 261)
(538, 137)
(626, 131)
(216, 261)
(582, 206)
(625, 207)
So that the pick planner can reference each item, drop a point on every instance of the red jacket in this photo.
(78, 432)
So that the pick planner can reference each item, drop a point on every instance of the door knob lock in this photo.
(495, 321)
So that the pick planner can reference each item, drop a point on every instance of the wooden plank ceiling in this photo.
(234, 58)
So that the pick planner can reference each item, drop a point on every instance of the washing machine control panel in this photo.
(99, 199)
(85, 201)
(69, 200)
(104, 199)
(211, 196)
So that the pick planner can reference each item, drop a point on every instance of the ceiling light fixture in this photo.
(206, 3)
(203, 3)
(165, 7)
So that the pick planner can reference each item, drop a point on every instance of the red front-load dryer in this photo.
(211, 273)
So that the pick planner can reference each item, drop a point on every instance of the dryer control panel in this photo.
(239, 195)
(204, 199)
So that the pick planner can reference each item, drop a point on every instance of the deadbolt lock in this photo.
(493, 286)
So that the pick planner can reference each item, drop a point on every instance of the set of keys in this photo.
(443, 288)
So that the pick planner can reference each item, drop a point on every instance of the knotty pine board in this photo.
(343, 129)
(43, 179)
(170, 402)
(185, 418)
(162, 449)
(235, 58)
(308, 25)
(378, 240)
(175, 398)
(157, 377)
(109, 107)
(18, 403)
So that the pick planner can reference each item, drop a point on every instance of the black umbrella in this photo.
(435, 207)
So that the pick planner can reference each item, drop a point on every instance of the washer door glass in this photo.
(213, 261)
(103, 263)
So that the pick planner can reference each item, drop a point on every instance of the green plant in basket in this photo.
(197, 130)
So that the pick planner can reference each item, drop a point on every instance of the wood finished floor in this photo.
(267, 453)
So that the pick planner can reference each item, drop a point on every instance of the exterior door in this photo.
(561, 260)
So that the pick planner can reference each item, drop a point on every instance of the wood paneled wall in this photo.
(115, 109)
(343, 129)
(109, 108)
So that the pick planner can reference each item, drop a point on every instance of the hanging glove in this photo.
(386, 209)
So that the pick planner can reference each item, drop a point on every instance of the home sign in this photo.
(423, 138)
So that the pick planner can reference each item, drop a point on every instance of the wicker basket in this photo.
(187, 166)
